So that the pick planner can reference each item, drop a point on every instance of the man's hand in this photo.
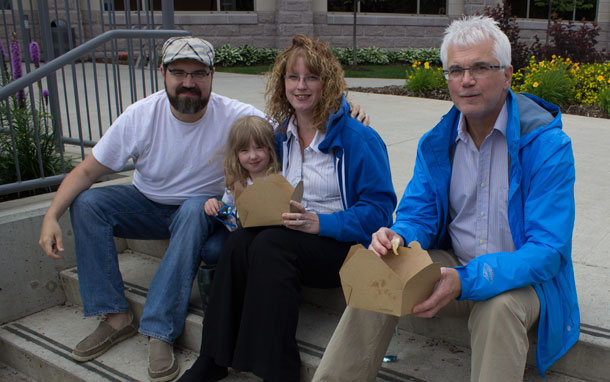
(212, 206)
(448, 288)
(303, 220)
(51, 240)
(358, 113)
(382, 241)
(78, 180)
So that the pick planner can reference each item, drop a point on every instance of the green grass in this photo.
(378, 71)
(255, 69)
(368, 71)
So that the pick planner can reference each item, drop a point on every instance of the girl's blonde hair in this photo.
(242, 132)
(320, 61)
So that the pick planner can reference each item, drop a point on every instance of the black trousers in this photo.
(252, 317)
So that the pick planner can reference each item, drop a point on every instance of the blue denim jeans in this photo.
(99, 214)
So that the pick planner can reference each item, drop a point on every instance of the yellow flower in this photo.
(541, 63)
(554, 56)
(600, 78)
(535, 84)
(609, 80)
(426, 65)
(414, 64)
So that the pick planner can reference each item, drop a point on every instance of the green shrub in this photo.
(412, 55)
(373, 55)
(27, 127)
(245, 55)
(227, 56)
(554, 86)
(248, 55)
(604, 100)
(27, 135)
(557, 81)
(422, 78)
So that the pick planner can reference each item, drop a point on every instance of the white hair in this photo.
(472, 30)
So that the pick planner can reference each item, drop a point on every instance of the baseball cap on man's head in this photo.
(191, 48)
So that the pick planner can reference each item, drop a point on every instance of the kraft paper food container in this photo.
(263, 202)
(393, 284)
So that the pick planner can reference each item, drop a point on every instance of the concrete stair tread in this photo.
(8, 373)
(46, 339)
(318, 317)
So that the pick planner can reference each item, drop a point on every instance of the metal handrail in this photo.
(81, 50)
(56, 64)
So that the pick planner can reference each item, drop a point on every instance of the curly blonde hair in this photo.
(320, 61)
(242, 132)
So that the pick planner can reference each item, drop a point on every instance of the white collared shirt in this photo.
(478, 196)
(316, 169)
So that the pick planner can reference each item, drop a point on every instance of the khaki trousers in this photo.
(498, 336)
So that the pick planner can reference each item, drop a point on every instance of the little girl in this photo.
(250, 154)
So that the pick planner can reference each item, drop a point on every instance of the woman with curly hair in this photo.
(251, 321)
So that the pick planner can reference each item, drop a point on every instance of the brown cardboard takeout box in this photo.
(263, 202)
(391, 284)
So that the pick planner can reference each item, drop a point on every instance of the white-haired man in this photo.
(492, 199)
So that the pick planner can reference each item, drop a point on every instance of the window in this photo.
(422, 7)
(185, 5)
(5, 4)
(529, 9)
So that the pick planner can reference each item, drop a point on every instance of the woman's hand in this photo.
(303, 220)
(212, 206)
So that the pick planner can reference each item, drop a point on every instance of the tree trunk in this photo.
(548, 23)
(354, 47)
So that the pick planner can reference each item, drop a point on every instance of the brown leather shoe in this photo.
(102, 339)
(162, 364)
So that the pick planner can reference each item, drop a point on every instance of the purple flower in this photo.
(16, 66)
(45, 96)
(35, 53)
(15, 58)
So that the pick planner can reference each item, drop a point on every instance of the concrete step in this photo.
(40, 346)
(8, 373)
(588, 359)
(420, 358)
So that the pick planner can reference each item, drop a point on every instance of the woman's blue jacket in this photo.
(363, 171)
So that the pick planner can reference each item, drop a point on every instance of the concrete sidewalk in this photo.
(401, 121)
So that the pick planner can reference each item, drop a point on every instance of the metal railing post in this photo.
(167, 7)
(49, 53)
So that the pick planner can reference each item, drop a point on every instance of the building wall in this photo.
(273, 23)
(278, 20)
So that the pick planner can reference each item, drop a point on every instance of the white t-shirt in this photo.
(174, 160)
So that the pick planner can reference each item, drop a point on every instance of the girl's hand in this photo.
(212, 206)
(303, 220)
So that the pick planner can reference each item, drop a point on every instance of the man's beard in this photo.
(189, 104)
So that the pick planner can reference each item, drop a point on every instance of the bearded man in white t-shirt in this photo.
(176, 139)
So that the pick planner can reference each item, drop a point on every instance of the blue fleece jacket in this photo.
(540, 216)
(363, 172)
